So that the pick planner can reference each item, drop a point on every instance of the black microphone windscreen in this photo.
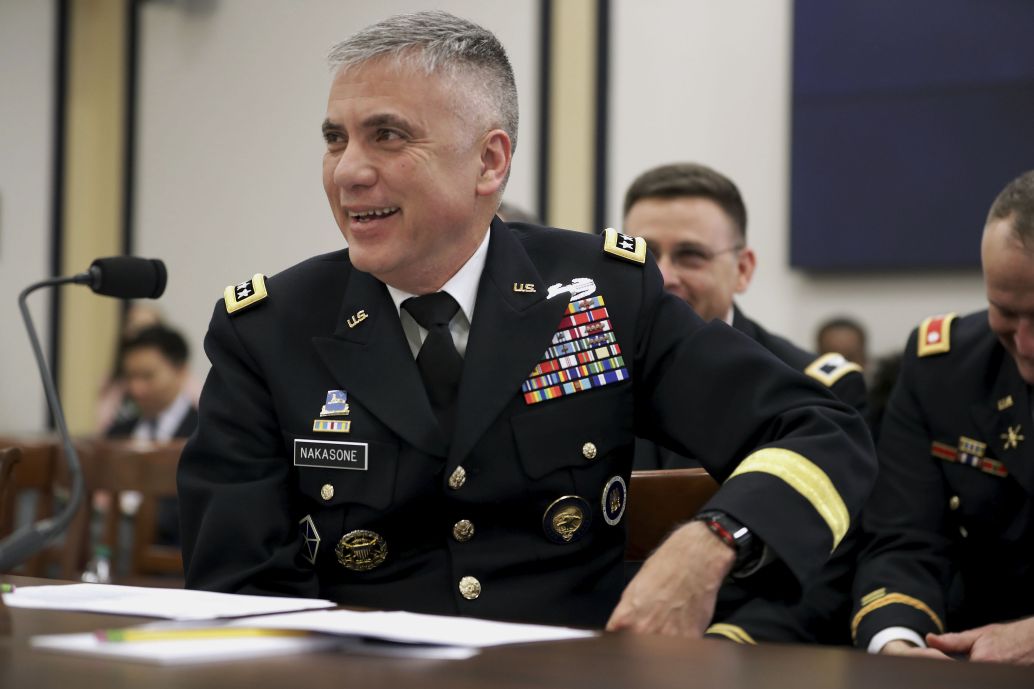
(128, 277)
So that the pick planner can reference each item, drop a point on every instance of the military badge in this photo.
(324, 426)
(1012, 437)
(584, 354)
(935, 335)
(579, 288)
(1005, 403)
(361, 550)
(624, 246)
(613, 500)
(567, 519)
(969, 453)
(310, 538)
(245, 294)
(336, 404)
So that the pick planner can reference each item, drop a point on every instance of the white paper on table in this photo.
(176, 604)
(407, 627)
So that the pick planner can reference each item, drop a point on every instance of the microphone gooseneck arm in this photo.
(29, 539)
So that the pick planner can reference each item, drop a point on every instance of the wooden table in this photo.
(607, 662)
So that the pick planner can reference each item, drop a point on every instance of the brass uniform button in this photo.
(327, 491)
(589, 450)
(457, 478)
(954, 502)
(463, 530)
(470, 588)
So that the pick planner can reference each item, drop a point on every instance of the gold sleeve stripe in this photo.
(807, 479)
(831, 367)
(891, 599)
(731, 631)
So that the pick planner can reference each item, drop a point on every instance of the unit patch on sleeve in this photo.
(935, 335)
(245, 294)
(624, 246)
(584, 354)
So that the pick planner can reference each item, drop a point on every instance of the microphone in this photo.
(123, 277)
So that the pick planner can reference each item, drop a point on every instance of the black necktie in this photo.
(438, 361)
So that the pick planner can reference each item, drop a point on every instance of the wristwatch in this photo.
(748, 549)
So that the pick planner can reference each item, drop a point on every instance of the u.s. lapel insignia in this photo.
(328, 426)
(567, 519)
(613, 500)
(244, 294)
(935, 335)
(1012, 437)
(624, 246)
(310, 538)
(1005, 403)
(361, 550)
(528, 287)
(357, 318)
(336, 404)
(584, 354)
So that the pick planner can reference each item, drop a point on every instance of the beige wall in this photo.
(231, 102)
(26, 64)
(710, 82)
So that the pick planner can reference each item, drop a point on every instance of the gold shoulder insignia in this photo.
(831, 367)
(244, 294)
(935, 335)
(624, 246)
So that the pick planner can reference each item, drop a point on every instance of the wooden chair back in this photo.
(659, 501)
(31, 470)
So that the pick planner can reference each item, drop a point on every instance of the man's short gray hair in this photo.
(437, 42)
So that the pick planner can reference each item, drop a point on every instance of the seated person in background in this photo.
(694, 221)
(844, 336)
(440, 417)
(949, 566)
(155, 373)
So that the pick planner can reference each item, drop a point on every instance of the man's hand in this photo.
(904, 648)
(1011, 642)
(675, 591)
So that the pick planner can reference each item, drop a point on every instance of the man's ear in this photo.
(746, 261)
(496, 152)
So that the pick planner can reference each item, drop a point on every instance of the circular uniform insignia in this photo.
(614, 500)
(361, 550)
(567, 519)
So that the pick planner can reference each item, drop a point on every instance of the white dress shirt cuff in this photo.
(885, 636)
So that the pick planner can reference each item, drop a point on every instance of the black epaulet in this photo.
(624, 246)
(935, 335)
(245, 294)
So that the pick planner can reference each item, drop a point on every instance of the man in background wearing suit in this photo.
(441, 417)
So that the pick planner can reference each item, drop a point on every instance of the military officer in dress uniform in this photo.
(695, 223)
(440, 417)
(951, 560)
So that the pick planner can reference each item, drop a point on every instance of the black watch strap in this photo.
(737, 536)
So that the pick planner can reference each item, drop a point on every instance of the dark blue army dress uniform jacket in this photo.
(951, 520)
(574, 349)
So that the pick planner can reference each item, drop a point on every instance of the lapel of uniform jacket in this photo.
(370, 358)
(509, 333)
(1006, 412)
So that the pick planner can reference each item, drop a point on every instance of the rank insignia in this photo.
(244, 294)
(336, 404)
(361, 550)
(567, 519)
(584, 354)
(613, 500)
(310, 538)
(831, 367)
(935, 335)
(624, 246)
(325, 426)
(1012, 437)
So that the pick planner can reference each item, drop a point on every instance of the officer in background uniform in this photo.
(952, 515)
(441, 417)
(694, 222)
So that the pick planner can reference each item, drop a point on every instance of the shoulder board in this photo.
(935, 335)
(624, 246)
(245, 294)
(831, 367)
